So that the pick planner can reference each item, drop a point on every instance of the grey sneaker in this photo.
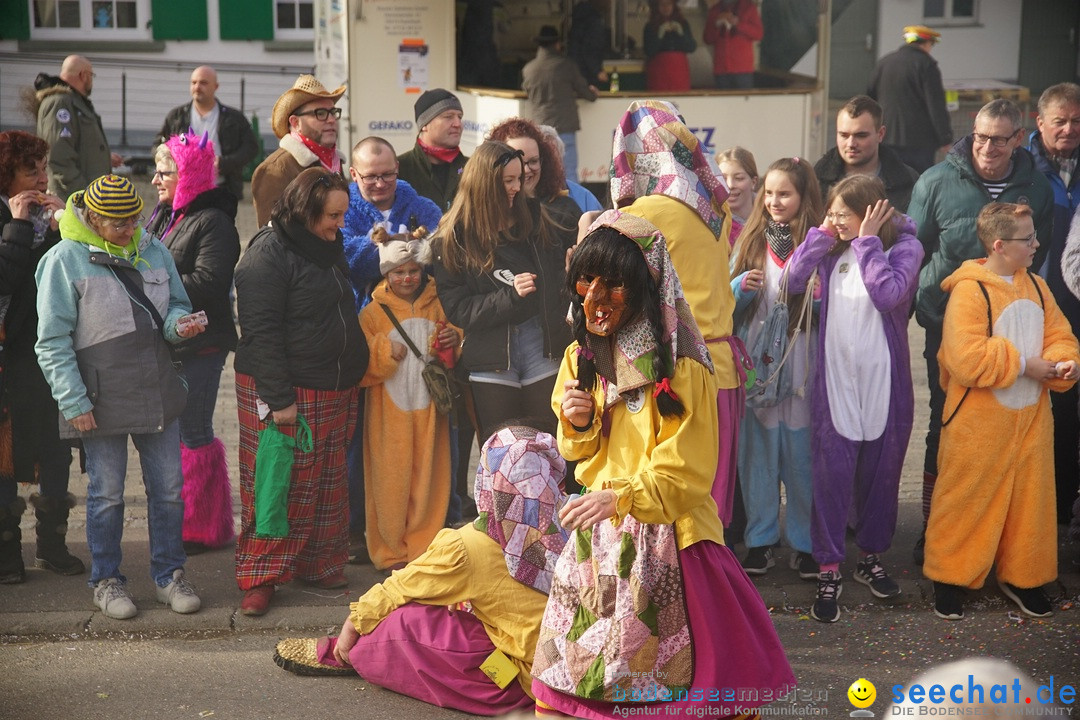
(758, 561)
(112, 597)
(179, 595)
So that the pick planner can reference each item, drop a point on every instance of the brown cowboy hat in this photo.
(304, 90)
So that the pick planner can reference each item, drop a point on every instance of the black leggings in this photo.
(495, 404)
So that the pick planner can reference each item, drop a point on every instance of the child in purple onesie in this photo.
(867, 257)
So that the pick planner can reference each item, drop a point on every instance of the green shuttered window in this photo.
(174, 20)
(246, 19)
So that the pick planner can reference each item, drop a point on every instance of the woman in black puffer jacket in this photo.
(38, 455)
(195, 219)
(301, 352)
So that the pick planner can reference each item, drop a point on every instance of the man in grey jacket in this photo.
(66, 119)
(554, 84)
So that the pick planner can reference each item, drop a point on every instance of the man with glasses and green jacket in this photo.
(306, 121)
(987, 165)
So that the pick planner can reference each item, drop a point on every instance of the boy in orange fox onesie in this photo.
(406, 440)
(1004, 344)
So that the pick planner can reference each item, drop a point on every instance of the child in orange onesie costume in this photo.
(406, 440)
(1004, 344)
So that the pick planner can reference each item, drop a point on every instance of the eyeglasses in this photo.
(995, 140)
(130, 224)
(533, 164)
(385, 178)
(321, 114)
(1030, 240)
(163, 173)
(504, 159)
(837, 216)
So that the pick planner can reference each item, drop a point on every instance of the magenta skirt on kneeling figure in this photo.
(431, 654)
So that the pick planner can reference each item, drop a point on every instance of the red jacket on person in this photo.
(733, 48)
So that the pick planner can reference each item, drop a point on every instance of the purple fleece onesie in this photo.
(869, 469)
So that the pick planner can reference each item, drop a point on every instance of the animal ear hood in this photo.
(194, 158)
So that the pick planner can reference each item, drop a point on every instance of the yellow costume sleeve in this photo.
(441, 576)
(682, 466)
(969, 356)
(574, 445)
(381, 364)
(1059, 343)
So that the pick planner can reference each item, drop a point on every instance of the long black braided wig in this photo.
(607, 253)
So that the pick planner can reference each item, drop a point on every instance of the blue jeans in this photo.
(106, 464)
(569, 160)
(203, 376)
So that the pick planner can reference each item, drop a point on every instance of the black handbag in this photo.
(440, 385)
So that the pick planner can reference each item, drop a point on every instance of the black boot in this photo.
(12, 570)
(52, 552)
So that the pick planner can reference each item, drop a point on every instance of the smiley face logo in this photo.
(862, 693)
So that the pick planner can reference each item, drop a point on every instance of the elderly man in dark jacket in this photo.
(229, 131)
(1056, 149)
(908, 85)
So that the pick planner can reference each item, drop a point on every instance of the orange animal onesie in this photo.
(406, 440)
(994, 498)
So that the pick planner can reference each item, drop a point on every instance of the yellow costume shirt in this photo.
(464, 565)
(662, 469)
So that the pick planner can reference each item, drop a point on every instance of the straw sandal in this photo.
(300, 656)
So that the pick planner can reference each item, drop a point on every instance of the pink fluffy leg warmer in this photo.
(207, 494)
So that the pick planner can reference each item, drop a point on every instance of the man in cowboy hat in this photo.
(307, 122)
(553, 84)
(433, 167)
(908, 85)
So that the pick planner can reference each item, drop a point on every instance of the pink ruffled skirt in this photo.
(739, 662)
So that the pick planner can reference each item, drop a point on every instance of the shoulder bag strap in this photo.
(989, 333)
(1037, 289)
(408, 341)
(139, 296)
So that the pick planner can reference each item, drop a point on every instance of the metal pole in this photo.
(123, 109)
(243, 80)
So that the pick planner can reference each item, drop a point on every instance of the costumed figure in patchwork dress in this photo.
(458, 626)
(647, 603)
(659, 172)
(862, 399)
(407, 440)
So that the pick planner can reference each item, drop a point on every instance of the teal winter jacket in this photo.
(944, 204)
(98, 347)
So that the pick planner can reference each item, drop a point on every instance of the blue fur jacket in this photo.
(409, 209)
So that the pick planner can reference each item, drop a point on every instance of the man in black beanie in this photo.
(433, 167)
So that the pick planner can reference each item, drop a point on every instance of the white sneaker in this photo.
(179, 595)
(112, 597)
